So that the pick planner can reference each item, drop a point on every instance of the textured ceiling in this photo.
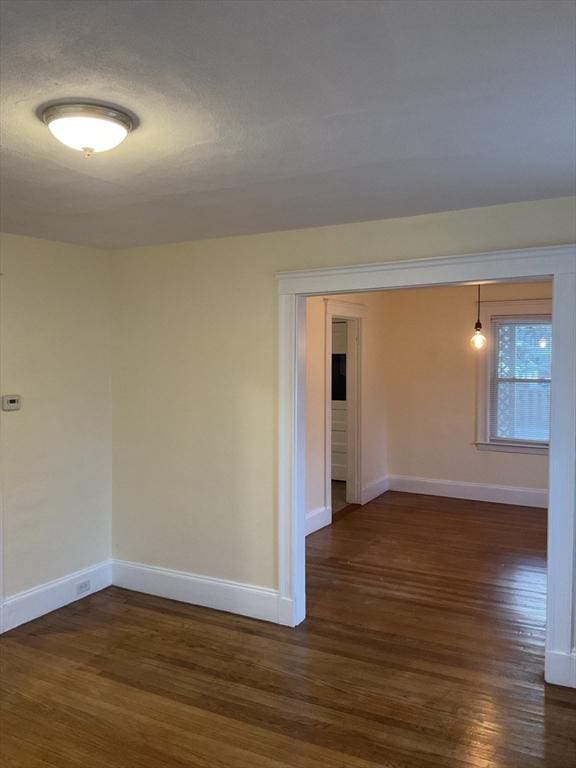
(257, 116)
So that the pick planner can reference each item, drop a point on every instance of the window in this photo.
(520, 381)
(515, 375)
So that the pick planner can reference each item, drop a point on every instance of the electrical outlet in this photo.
(82, 587)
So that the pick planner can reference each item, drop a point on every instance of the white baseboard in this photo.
(287, 613)
(560, 668)
(235, 597)
(318, 518)
(33, 603)
(500, 494)
(370, 492)
(219, 594)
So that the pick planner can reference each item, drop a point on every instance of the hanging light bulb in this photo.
(478, 341)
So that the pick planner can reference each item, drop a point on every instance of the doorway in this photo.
(339, 416)
(558, 263)
(333, 382)
(342, 393)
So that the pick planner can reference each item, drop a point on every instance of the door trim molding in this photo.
(556, 262)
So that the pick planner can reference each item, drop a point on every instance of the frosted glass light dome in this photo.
(87, 128)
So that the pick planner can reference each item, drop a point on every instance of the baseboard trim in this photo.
(560, 668)
(33, 603)
(500, 494)
(373, 490)
(218, 594)
(318, 518)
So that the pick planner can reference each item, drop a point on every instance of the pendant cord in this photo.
(478, 319)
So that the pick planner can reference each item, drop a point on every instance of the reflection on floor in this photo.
(423, 648)
(338, 495)
(445, 602)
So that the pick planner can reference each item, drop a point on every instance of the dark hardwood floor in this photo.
(423, 649)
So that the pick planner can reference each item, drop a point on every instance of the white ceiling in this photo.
(265, 115)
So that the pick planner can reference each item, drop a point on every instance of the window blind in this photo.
(519, 408)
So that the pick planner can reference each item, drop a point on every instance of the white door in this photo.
(339, 407)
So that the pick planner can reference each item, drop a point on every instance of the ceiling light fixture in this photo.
(88, 128)
(478, 341)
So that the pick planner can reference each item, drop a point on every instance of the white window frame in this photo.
(486, 358)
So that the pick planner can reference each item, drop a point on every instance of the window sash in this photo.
(512, 380)
(495, 381)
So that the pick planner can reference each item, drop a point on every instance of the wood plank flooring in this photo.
(423, 649)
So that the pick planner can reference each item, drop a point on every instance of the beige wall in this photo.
(194, 350)
(195, 393)
(195, 375)
(56, 451)
(418, 390)
(430, 388)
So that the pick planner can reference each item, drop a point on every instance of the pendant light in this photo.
(478, 341)
(88, 128)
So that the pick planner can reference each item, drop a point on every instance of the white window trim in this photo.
(488, 310)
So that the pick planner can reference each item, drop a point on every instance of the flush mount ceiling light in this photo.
(89, 128)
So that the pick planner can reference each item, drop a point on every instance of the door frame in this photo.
(353, 314)
(555, 262)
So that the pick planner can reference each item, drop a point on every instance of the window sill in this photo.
(541, 450)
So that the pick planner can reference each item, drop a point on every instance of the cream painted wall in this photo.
(194, 351)
(430, 388)
(418, 390)
(195, 375)
(56, 451)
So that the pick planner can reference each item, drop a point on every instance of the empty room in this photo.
(288, 384)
